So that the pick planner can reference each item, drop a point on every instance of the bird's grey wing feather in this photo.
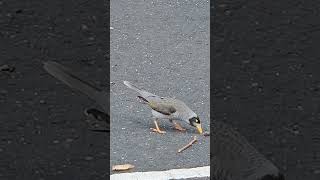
(157, 103)
(66, 75)
(235, 158)
(160, 105)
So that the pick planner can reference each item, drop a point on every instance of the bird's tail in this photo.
(131, 86)
(144, 94)
(66, 75)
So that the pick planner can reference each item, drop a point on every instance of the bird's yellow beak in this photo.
(199, 128)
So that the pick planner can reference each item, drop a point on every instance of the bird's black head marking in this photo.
(194, 120)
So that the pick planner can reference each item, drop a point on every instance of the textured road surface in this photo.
(162, 46)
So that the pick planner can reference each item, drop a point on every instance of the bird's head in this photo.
(195, 121)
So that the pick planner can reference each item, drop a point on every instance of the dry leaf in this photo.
(122, 167)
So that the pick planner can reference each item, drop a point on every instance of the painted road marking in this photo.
(165, 175)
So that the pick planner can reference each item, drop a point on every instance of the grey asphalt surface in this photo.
(162, 46)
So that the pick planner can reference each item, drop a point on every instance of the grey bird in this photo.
(233, 158)
(68, 77)
(167, 108)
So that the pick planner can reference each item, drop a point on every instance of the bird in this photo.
(68, 77)
(234, 158)
(167, 108)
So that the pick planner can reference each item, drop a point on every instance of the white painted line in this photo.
(164, 175)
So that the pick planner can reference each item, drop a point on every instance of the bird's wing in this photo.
(67, 76)
(157, 103)
(235, 157)
(161, 105)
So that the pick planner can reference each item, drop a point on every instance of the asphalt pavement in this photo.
(163, 47)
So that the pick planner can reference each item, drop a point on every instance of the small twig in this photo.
(188, 145)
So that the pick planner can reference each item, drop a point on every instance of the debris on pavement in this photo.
(122, 167)
(206, 133)
(188, 145)
(6, 67)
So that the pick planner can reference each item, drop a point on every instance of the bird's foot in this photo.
(157, 131)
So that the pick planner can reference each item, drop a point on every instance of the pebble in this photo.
(317, 171)
(84, 27)
(3, 91)
(88, 158)
(6, 67)
(69, 140)
(254, 84)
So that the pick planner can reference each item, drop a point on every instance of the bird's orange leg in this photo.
(157, 129)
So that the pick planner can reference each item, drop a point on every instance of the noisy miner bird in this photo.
(167, 108)
(233, 158)
(68, 77)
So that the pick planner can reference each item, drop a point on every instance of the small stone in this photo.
(42, 101)
(317, 171)
(111, 28)
(69, 140)
(246, 61)
(88, 158)
(3, 91)
(56, 141)
(296, 132)
(84, 27)
(222, 5)
(6, 67)
(103, 153)
(227, 12)
(254, 84)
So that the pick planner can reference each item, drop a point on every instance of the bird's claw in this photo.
(157, 131)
